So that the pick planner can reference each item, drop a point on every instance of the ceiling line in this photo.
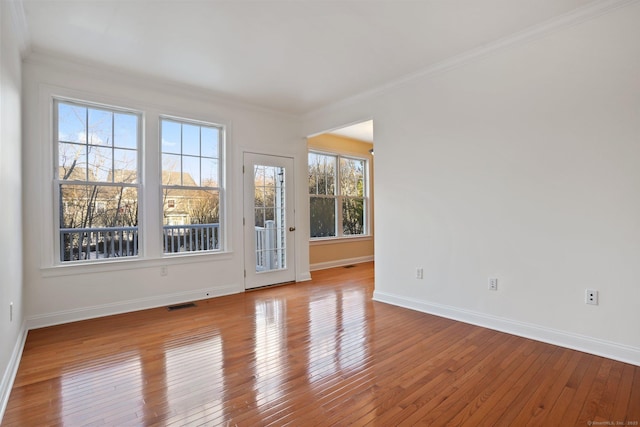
(535, 32)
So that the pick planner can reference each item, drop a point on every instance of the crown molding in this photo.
(19, 19)
(561, 22)
(47, 58)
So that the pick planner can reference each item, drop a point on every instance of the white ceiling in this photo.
(293, 56)
(361, 131)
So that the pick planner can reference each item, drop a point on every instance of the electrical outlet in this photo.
(591, 296)
(493, 283)
(419, 273)
(164, 270)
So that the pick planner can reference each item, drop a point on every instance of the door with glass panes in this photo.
(269, 226)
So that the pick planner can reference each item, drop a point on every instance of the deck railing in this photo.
(192, 237)
(97, 243)
(112, 242)
(267, 251)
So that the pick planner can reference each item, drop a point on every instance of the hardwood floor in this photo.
(315, 353)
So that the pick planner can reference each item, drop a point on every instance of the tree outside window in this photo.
(96, 181)
(337, 195)
(190, 185)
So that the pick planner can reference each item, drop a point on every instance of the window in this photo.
(191, 155)
(337, 195)
(96, 181)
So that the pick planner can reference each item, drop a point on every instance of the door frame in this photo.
(253, 279)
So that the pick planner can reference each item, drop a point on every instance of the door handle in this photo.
(292, 229)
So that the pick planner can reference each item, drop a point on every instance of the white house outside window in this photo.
(191, 177)
(96, 180)
(338, 200)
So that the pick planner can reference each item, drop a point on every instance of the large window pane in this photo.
(124, 165)
(98, 206)
(126, 130)
(181, 206)
(210, 173)
(352, 177)
(352, 216)
(72, 162)
(322, 171)
(191, 220)
(72, 123)
(191, 171)
(191, 140)
(313, 183)
(97, 219)
(337, 195)
(209, 142)
(323, 217)
(171, 137)
(191, 180)
(100, 164)
(171, 174)
(100, 127)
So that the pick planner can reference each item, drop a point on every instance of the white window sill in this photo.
(132, 263)
(336, 240)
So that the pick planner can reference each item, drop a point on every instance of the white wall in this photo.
(57, 294)
(11, 332)
(522, 164)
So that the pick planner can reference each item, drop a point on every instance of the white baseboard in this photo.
(611, 350)
(304, 277)
(60, 317)
(12, 370)
(340, 262)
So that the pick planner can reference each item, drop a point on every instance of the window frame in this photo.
(339, 198)
(220, 188)
(58, 183)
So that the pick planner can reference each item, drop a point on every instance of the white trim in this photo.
(569, 19)
(340, 262)
(304, 277)
(11, 371)
(319, 241)
(84, 313)
(43, 57)
(608, 349)
(134, 263)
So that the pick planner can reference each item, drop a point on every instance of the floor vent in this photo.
(181, 306)
(349, 266)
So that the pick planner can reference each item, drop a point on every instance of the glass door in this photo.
(268, 220)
